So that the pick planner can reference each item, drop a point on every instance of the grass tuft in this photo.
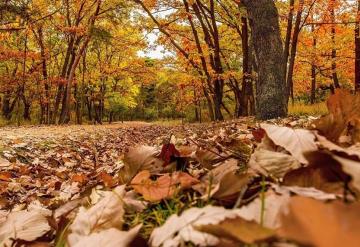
(301, 109)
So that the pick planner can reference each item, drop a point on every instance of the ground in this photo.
(73, 185)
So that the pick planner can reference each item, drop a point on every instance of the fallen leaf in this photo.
(305, 192)
(270, 163)
(324, 173)
(352, 168)
(208, 158)
(138, 159)
(105, 214)
(168, 152)
(222, 181)
(238, 229)
(321, 224)
(180, 229)
(295, 141)
(5, 176)
(164, 187)
(326, 144)
(80, 178)
(111, 237)
(343, 117)
(270, 207)
(132, 203)
(258, 134)
(24, 225)
(107, 179)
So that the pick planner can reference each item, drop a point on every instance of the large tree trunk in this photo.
(271, 93)
(357, 50)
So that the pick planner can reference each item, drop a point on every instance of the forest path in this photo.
(58, 131)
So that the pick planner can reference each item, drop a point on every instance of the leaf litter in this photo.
(283, 182)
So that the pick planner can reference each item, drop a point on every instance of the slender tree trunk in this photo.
(247, 95)
(288, 32)
(60, 90)
(333, 50)
(65, 111)
(357, 50)
(27, 105)
(271, 92)
(209, 104)
(313, 69)
(294, 42)
(46, 102)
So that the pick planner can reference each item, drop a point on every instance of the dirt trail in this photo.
(11, 133)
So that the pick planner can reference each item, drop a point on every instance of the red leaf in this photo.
(167, 152)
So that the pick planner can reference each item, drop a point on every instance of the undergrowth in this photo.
(156, 214)
(301, 109)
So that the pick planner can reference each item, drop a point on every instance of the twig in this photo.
(240, 197)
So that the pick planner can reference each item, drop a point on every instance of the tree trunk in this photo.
(247, 106)
(357, 50)
(65, 111)
(294, 42)
(271, 93)
(288, 32)
(313, 69)
(27, 105)
(333, 51)
(8, 106)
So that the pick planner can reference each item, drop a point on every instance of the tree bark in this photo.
(247, 106)
(334, 74)
(294, 42)
(357, 50)
(288, 32)
(65, 111)
(271, 92)
(313, 70)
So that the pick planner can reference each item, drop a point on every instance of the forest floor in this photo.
(213, 184)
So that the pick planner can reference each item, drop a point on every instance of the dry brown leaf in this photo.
(179, 229)
(352, 168)
(164, 187)
(270, 163)
(208, 158)
(108, 238)
(107, 179)
(326, 144)
(105, 214)
(304, 191)
(138, 159)
(5, 176)
(295, 141)
(321, 224)
(343, 117)
(222, 181)
(273, 205)
(24, 225)
(238, 229)
(324, 173)
(80, 178)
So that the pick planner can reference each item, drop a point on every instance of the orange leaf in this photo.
(107, 179)
(5, 176)
(321, 224)
(164, 187)
(81, 178)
